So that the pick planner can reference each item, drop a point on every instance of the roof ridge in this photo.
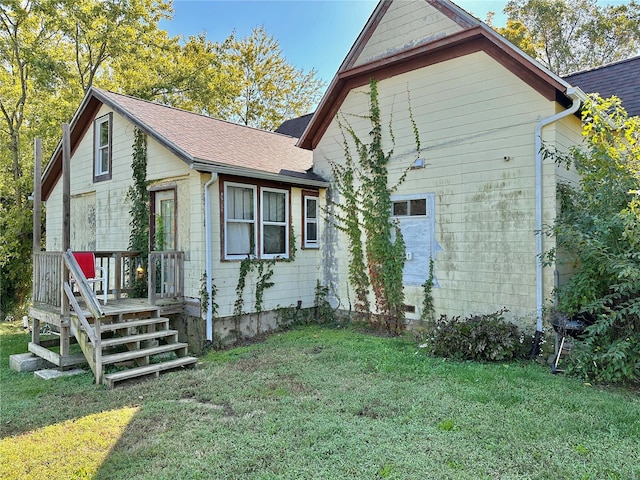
(202, 115)
(604, 65)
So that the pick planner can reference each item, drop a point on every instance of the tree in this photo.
(269, 90)
(598, 232)
(571, 35)
(50, 56)
(53, 51)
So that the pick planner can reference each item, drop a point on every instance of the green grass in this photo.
(334, 403)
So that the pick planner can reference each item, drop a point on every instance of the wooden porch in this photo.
(128, 332)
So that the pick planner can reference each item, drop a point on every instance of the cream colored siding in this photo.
(476, 122)
(405, 25)
(100, 218)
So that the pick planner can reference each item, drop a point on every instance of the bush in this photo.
(486, 338)
(598, 233)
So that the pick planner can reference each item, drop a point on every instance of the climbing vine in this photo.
(264, 272)
(427, 296)
(363, 183)
(138, 197)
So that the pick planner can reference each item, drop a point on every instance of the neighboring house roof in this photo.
(205, 143)
(621, 79)
(295, 127)
(470, 36)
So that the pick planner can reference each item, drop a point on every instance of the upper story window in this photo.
(310, 221)
(256, 221)
(102, 148)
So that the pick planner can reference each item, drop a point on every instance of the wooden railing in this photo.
(94, 354)
(166, 275)
(47, 272)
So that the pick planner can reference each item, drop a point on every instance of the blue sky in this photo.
(313, 34)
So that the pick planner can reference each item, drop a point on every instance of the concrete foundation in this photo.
(28, 362)
(50, 374)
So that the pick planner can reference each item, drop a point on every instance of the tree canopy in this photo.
(572, 35)
(53, 51)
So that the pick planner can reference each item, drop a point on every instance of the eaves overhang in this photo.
(475, 37)
(291, 178)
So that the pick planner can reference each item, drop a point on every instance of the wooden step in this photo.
(110, 342)
(144, 352)
(107, 327)
(111, 378)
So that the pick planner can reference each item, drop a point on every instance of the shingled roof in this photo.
(295, 127)
(205, 143)
(621, 79)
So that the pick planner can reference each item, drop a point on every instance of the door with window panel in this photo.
(165, 220)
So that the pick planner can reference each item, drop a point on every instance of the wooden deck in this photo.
(128, 331)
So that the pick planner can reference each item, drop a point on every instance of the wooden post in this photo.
(37, 222)
(118, 275)
(66, 235)
(37, 196)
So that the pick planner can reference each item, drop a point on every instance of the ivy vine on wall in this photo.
(138, 198)
(376, 245)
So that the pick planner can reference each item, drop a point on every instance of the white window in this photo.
(310, 221)
(256, 221)
(274, 227)
(102, 153)
(163, 228)
(240, 220)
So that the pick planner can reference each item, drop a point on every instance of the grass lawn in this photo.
(327, 403)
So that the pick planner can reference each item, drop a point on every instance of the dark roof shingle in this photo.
(295, 127)
(621, 79)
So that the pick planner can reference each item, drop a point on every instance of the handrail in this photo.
(91, 301)
(84, 288)
(95, 339)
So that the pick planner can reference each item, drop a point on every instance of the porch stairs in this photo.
(121, 343)
(133, 344)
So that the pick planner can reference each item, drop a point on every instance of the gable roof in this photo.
(458, 34)
(621, 79)
(295, 127)
(202, 142)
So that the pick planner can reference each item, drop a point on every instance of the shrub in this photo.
(598, 233)
(476, 337)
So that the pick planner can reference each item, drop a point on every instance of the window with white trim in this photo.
(240, 220)
(102, 148)
(274, 226)
(256, 221)
(310, 221)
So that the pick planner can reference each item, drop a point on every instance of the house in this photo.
(621, 79)
(483, 109)
(475, 199)
(219, 194)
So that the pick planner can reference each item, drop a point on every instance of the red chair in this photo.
(87, 263)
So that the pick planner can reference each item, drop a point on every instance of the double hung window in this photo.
(310, 221)
(102, 148)
(256, 221)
